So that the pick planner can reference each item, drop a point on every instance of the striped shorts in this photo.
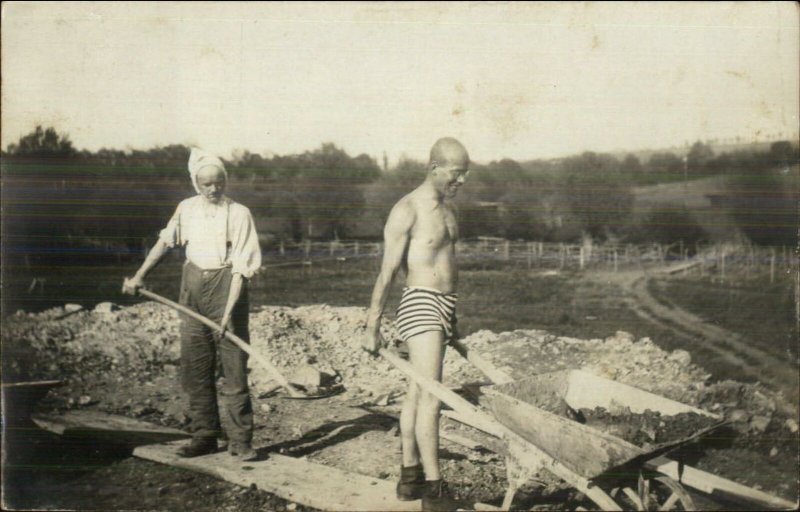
(425, 309)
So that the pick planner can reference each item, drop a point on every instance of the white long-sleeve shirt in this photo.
(215, 236)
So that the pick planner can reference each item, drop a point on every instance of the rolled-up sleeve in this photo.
(245, 249)
(170, 235)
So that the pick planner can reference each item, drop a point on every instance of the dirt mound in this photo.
(69, 343)
(126, 361)
(141, 342)
(521, 353)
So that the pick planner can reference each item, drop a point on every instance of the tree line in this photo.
(57, 197)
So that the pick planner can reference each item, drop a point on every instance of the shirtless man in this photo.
(419, 237)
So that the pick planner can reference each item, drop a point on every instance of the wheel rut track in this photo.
(754, 362)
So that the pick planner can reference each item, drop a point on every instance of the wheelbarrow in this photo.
(605, 468)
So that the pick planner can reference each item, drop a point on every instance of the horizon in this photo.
(522, 81)
(616, 153)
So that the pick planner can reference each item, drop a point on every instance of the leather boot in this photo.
(438, 498)
(242, 450)
(199, 446)
(412, 483)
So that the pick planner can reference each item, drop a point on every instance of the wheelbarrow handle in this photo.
(481, 419)
(494, 374)
(239, 342)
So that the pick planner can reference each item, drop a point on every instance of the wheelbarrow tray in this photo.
(589, 452)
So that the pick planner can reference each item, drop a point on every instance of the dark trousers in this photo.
(206, 292)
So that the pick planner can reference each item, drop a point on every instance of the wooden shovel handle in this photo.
(239, 342)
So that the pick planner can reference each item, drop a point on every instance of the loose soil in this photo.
(126, 362)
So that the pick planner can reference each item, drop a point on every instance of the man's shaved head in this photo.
(449, 151)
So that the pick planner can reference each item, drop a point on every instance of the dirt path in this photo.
(731, 347)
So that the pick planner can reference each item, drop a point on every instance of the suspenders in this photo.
(228, 243)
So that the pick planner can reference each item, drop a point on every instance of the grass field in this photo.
(759, 311)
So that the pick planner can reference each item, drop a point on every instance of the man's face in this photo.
(451, 177)
(211, 182)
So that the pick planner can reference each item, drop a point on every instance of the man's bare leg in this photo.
(426, 352)
(408, 419)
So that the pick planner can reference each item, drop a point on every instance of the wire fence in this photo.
(725, 259)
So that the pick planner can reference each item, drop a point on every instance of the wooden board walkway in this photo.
(107, 427)
(298, 480)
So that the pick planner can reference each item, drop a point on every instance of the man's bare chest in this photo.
(436, 229)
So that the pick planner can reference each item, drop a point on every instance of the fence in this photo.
(722, 259)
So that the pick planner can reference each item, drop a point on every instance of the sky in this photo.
(511, 80)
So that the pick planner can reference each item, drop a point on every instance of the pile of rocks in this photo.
(329, 338)
(69, 342)
(142, 340)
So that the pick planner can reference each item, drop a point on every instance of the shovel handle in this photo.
(239, 342)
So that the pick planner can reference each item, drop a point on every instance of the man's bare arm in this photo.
(396, 235)
(237, 282)
(158, 251)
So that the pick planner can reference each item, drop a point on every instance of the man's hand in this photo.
(372, 341)
(225, 326)
(131, 285)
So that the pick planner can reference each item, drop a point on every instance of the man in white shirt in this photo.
(222, 253)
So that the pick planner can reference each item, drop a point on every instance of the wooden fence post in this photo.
(615, 260)
(561, 256)
(506, 250)
(772, 265)
(530, 254)
(355, 248)
(307, 248)
(282, 249)
(581, 258)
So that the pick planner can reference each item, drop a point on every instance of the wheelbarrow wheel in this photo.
(657, 493)
(664, 493)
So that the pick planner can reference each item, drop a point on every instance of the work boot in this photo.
(438, 498)
(199, 446)
(242, 450)
(412, 483)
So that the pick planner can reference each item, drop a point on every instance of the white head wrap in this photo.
(199, 159)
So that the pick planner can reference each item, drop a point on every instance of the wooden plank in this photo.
(717, 485)
(297, 480)
(109, 427)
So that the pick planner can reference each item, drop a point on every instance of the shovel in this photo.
(239, 342)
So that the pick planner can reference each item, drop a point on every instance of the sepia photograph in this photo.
(400, 256)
